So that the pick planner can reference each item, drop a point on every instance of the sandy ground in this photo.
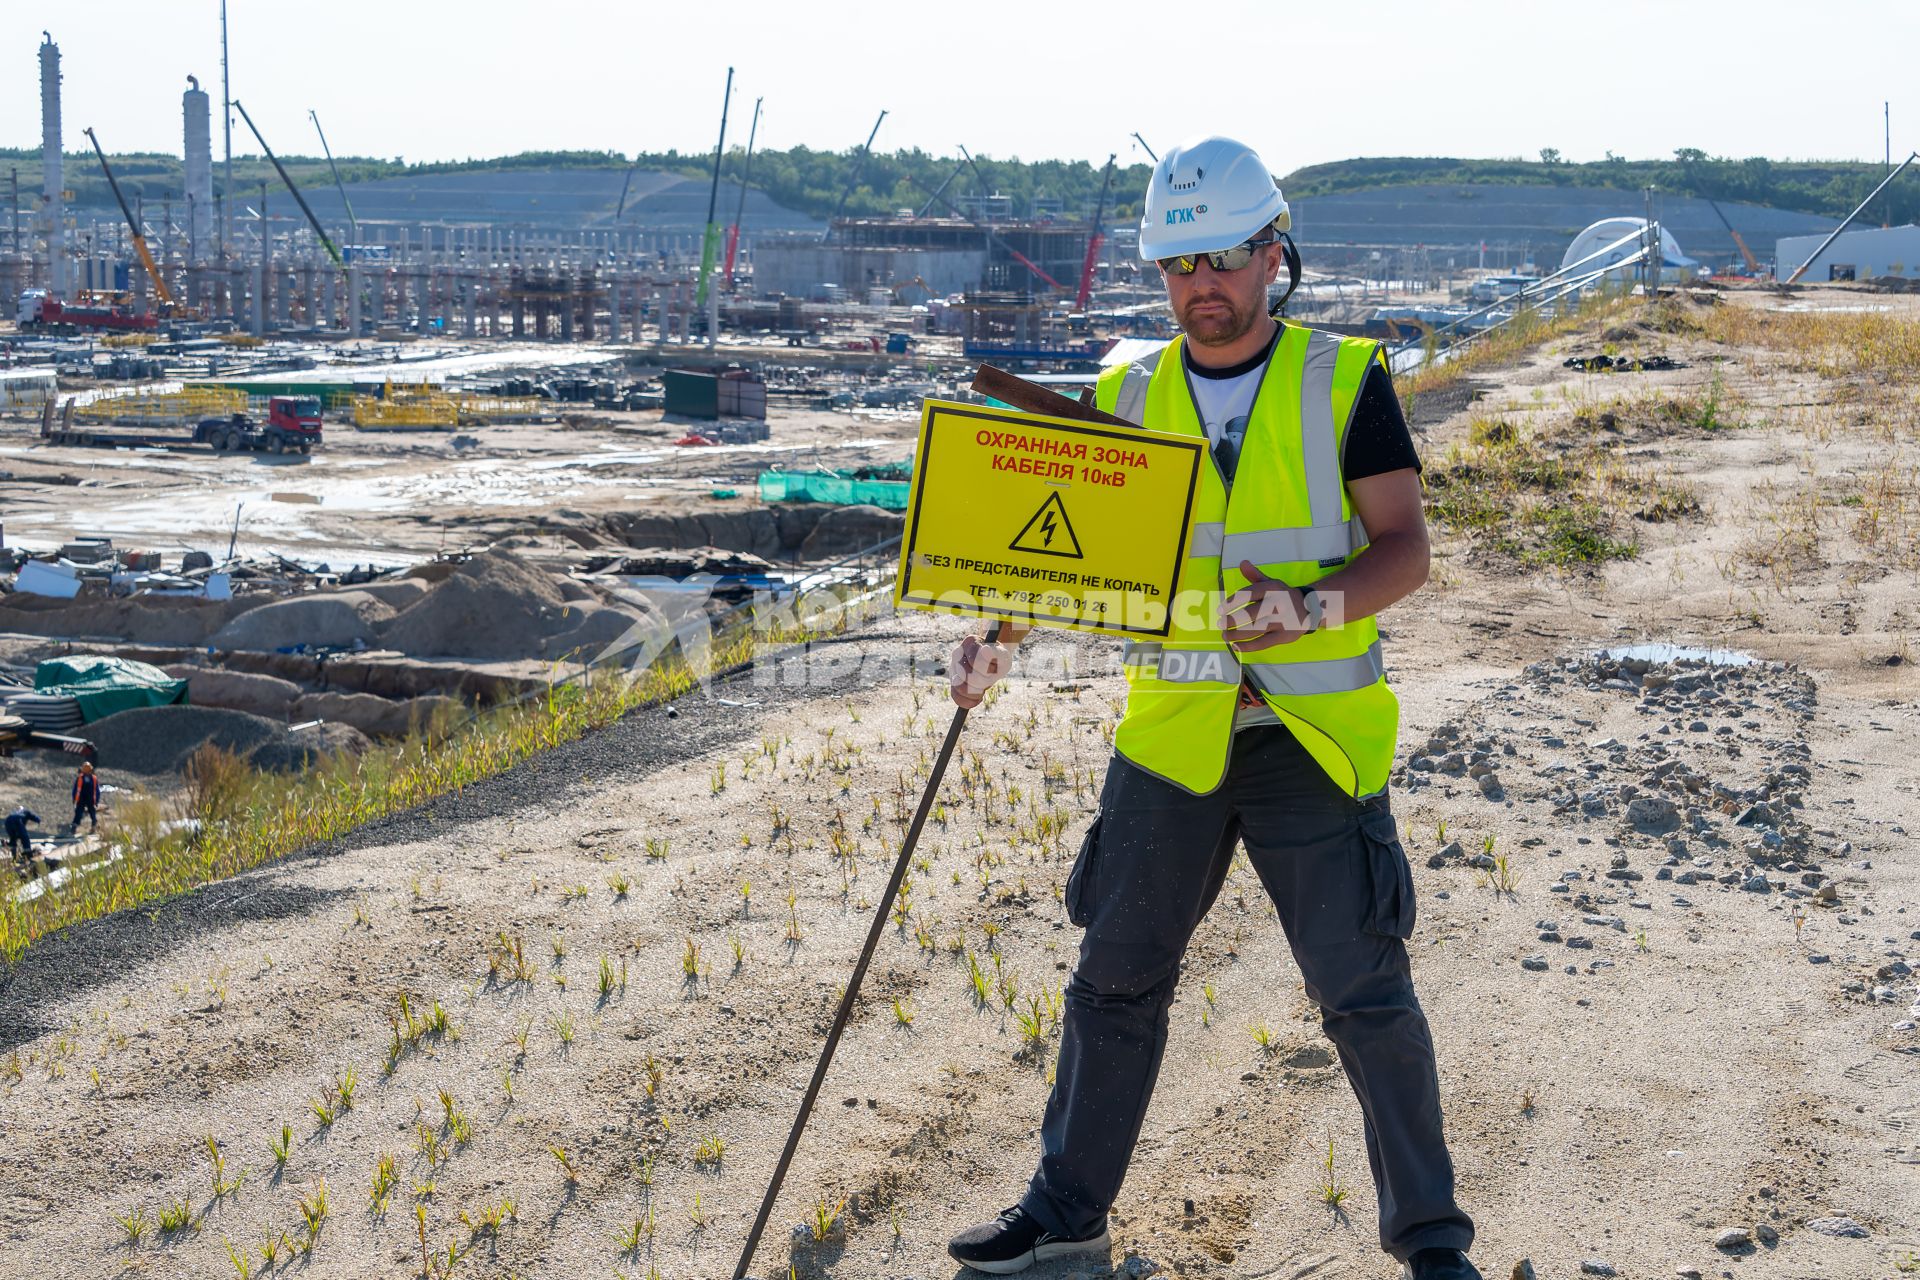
(1702, 1063)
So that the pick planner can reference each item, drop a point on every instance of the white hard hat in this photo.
(1208, 194)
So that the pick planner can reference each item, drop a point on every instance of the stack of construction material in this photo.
(47, 712)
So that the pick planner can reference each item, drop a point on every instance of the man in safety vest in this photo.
(1263, 718)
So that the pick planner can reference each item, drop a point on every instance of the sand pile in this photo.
(171, 620)
(260, 695)
(398, 592)
(333, 619)
(496, 606)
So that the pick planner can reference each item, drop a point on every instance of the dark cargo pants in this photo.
(1147, 872)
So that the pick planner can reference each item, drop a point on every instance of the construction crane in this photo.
(133, 224)
(353, 223)
(326, 241)
(1746, 254)
(1094, 237)
(740, 210)
(859, 167)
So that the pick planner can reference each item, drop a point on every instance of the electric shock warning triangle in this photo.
(1049, 532)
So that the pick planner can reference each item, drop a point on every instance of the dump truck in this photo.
(292, 425)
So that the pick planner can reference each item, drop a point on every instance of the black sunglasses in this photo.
(1223, 260)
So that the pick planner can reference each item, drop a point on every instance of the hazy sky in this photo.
(440, 79)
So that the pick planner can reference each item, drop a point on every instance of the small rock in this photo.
(1838, 1225)
(1537, 964)
(1815, 957)
(1596, 1267)
(1764, 1232)
(1523, 1270)
(1756, 884)
(1490, 786)
(1137, 1268)
(1452, 849)
(1733, 1240)
(1653, 813)
(1687, 1273)
(1580, 944)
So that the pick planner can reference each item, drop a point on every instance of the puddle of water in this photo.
(1662, 652)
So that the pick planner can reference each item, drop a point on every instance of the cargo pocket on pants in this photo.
(1392, 910)
(1079, 905)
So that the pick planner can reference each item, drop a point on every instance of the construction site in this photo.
(472, 593)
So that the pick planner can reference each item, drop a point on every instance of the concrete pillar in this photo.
(312, 294)
(257, 313)
(355, 286)
(328, 284)
(613, 311)
(467, 289)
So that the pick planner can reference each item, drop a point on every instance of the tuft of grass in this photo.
(823, 1219)
(134, 1225)
(175, 1216)
(1333, 1192)
(281, 1147)
(902, 1012)
(384, 1178)
(568, 1174)
(1264, 1037)
(710, 1151)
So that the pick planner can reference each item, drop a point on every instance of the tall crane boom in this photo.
(326, 241)
(353, 223)
(1094, 237)
(133, 224)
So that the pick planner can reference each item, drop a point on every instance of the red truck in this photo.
(39, 309)
(292, 426)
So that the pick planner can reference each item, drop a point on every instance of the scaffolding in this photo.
(413, 410)
(163, 408)
(480, 410)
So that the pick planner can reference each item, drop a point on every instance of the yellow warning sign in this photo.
(1047, 521)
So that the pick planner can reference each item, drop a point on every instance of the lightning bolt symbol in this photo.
(1046, 528)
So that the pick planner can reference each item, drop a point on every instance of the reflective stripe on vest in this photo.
(1269, 546)
(1319, 434)
(1208, 537)
(1132, 404)
(1221, 666)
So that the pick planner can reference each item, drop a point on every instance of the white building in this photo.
(1855, 255)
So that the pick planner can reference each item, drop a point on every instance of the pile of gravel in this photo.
(160, 740)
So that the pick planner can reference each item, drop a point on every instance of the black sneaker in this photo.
(1014, 1241)
(1438, 1264)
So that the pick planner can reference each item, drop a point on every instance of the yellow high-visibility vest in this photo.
(1289, 513)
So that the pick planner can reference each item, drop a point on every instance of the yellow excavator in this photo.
(167, 305)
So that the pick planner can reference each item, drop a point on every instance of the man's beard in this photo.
(1220, 329)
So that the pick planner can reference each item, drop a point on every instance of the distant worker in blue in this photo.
(19, 843)
(1263, 717)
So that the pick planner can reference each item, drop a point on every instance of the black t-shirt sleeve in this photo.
(1378, 440)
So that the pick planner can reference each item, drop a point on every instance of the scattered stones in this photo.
(1838, 1225)
(1733, 1240)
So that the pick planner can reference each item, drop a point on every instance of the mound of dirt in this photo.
(166, 620)
(309, 746)
(399, 592)
(259, 695)
(598, 628)
(495, 606)
(370, 714)
(160, 740)
(334, 618)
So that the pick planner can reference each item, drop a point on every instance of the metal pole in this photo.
(709, 242)
(1144, 147)
(845, 1010)
(226, 128)
(1802, 269)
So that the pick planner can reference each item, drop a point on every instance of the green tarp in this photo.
(840, 487)
(103, 686)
